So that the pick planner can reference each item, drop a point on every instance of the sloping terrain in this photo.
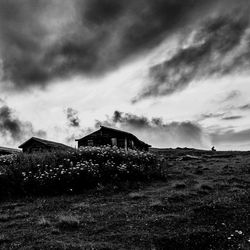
(204, 204)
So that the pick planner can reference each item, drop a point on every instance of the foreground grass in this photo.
(204, 204)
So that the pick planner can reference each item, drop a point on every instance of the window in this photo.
(114, 141)
(90, 143)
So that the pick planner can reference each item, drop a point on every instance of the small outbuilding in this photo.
(34, 145)
(113, 137)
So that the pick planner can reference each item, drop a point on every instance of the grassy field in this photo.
(203, 204)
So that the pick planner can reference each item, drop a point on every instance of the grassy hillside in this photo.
(203, 204)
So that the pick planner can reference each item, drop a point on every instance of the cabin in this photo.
(113, 137)
(8, 151)
(34, 145)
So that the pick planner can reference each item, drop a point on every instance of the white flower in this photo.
(238, 231)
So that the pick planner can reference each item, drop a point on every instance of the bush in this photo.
(74, 171)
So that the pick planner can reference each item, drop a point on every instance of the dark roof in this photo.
(117, 131)
(9, 150)
(47, 143)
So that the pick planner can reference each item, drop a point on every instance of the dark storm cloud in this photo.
(9, 124)
(130, 119)
(244, 107)
(21, 38)
(219, 46)
(156, 132)
(13, 129)
(110, 32)
(235, 117)
(223, 116)
(72, 117)
(210, 115)
(45, 40)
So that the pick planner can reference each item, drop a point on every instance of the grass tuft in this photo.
(44, 222)
(68, 222)
(136, 195)
(4, 217)
(180, 185)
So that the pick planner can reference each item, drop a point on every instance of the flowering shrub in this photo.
(76, 170)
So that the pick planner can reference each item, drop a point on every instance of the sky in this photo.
(175, 73)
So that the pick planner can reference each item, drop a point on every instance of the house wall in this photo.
(101, 138)
(33, 147)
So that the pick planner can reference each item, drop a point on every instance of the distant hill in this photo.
(176, 152)
(178, 149)
(7, 151)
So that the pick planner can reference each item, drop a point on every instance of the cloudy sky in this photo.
(173, 72)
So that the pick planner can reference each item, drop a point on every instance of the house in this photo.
(40, 145)
(113, 137)
(8, 151)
